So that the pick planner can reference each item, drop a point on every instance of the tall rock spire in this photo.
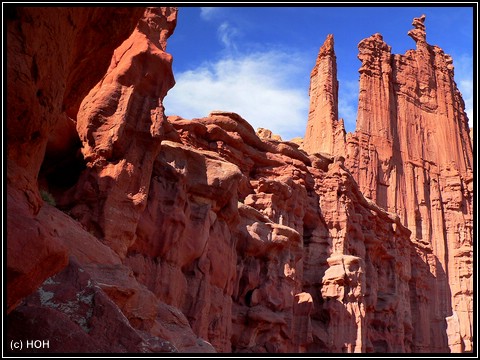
(411, 154)
(325, 133)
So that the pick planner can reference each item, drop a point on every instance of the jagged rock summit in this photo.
(411, 154)
(131, 232)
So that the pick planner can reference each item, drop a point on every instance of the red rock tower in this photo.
(325, 133)
(411, 154)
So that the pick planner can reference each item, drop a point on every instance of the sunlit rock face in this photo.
(161, 234)
(325, 133)
(411, 153)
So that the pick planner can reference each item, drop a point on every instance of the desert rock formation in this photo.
(44, 90)
(325, 132)
(202, 235)
(411, 154)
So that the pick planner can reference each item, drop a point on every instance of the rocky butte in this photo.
(128, 231)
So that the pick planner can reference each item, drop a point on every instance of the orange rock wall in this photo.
(199, 236)
(325, 133)
(54, 58)
(411, 154)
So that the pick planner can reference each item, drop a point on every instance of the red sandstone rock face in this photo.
(409, 105)
(40, 88)
(204, 236)
(428, 185)
(96, 298)
(325, 132)
(306, 243)
(72, 311)
(32, 39)
(121, 124)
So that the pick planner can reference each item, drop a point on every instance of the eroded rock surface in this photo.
(64, 283)
(325, 133)
(176, 235)
(54, 57)
(411, 154)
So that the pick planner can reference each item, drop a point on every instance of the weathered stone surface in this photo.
(412, 155)
(205, 236)
(139, 310)
(41, 238)
(36, 98)
(74, 315)
(294, 218)
(121, 124)
(408, 108)
(325, 132)
(267, 134)
(34, 253)
(48, 51)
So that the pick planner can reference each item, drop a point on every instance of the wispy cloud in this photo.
(348, 103)
(261, 87)
(227, 34)
(464, 79)
(466, 88)
(208, 13)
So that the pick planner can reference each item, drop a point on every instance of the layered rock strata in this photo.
(411, 154)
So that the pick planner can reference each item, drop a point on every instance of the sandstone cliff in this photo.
(53, 61)
(64, 284)
(200, 235)
(411, 154)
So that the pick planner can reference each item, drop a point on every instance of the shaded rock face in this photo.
(63, 283)
(72, 311)
(44, 92)
(411, 154)
(171, 235)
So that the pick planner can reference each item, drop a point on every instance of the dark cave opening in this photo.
(63, 161)
(248, 298)
(63, 173)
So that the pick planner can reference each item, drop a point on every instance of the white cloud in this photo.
(464, 79)
(263, 88)
(208, 13)
(227, 34)
(348, 103)
(466, 88)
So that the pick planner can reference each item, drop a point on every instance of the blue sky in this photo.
(256, 61)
